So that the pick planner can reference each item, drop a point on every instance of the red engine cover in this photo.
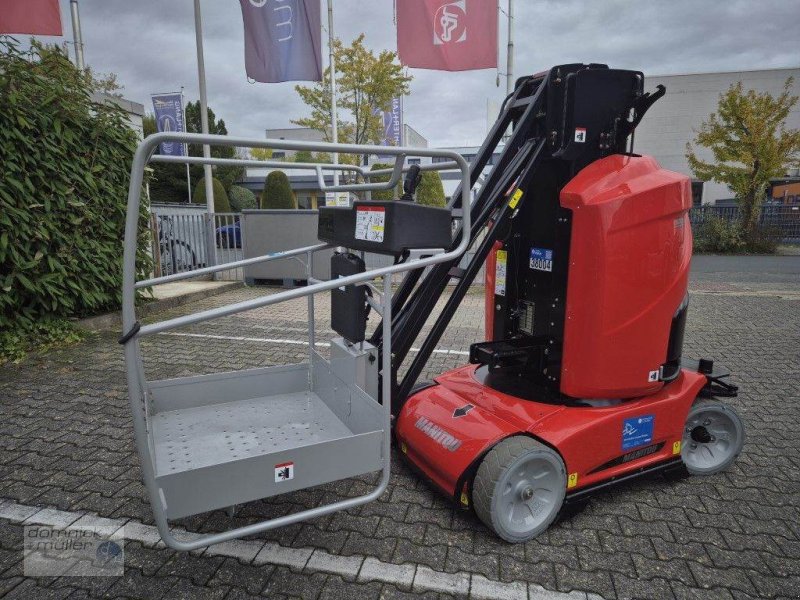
(630, 250)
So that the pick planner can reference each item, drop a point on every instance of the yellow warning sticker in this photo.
(403, 448)
(464, 499)
(572, 480)
(676, 447)
(515, 198)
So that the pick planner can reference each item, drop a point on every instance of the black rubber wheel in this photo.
(712, 438)
(519, 488)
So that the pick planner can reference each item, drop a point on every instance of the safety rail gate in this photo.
(214, 441)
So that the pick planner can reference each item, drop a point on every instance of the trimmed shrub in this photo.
(241, 198)
(64, 176)
(277, 192)
(221, 202)
(430, 191)
(383, 194)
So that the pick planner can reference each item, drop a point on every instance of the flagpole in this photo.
(334, 127)
(211, 246)
(510, 50)
(76, 34)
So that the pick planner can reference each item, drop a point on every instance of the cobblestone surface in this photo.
(66, 444)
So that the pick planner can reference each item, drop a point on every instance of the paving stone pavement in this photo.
(66, 446)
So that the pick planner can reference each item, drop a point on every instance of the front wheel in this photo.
(712, 438)
(519, 488)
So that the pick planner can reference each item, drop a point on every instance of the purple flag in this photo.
(282, 40)
(169, 117)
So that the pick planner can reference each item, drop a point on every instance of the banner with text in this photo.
(169, 117)
(392, 124)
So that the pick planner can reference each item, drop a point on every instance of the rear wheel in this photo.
(712, 438)
(519, 488)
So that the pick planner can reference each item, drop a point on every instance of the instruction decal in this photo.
(637, 431)
(284, 472)
(580, 134)
(500, 273)
(541, 259)
(515, 198)
(370, 222)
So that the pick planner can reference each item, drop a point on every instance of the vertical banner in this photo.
(169, 117)
(447, 35)
(282, 40)
(392, 132)
(37, 17)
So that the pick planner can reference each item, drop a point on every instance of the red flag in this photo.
(448, 35)
(38, 17)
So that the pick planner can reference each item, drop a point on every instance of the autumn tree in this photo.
(364, 82)
(750, 146)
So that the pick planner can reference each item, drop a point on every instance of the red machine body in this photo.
(629, 260)
(630, 249)
(446, 445)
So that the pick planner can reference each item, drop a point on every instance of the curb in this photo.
(113, 320)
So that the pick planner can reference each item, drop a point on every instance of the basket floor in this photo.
(194, 438)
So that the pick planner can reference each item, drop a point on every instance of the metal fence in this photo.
(179, 240)
(779, 221)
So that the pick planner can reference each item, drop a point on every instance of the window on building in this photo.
(413, 161)
(440, 159)
(468, 157)
(276, 154)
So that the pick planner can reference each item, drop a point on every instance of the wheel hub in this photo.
(701, 435)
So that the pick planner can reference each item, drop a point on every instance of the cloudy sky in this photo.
(150, 45)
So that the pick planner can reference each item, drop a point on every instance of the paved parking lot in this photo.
(66, 446)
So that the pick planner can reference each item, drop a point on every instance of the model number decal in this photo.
(541, 259)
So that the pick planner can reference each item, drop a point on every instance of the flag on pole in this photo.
(169, 117)
(37, 17)
(282, 40)
(447, 35)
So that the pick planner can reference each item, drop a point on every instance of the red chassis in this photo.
(446, 429)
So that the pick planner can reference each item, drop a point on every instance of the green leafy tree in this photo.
(221, 202)
(261, 153)
(364, 81)
(241, 198)
(277, 192)
(750, 145)
(430, 191)
(227, 175)
(64, 172)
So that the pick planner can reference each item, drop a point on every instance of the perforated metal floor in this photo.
(193, 438)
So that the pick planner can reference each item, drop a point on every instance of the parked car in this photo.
(229, 236)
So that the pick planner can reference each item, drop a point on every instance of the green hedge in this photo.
(277, 192)
(241, 198)
(221, 202)
(64, 170)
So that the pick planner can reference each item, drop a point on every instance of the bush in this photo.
(430, 191)
(41, 335)
(383, 194)
(241, 198)
(221, 202)
(277, 192)
(764, 240)
(64, 176)
(718, 235)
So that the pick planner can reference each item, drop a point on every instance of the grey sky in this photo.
(150, 45)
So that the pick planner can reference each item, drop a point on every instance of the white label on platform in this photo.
(580, 134)
(500, 273)
(284, 472)
(370, 223)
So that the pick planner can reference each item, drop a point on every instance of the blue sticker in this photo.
(637, 431)
(541, 259)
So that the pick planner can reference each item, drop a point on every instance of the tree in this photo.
(383, 194)
(277, 192)
(168, 183)
(750, 145)
(430, 191)
(364, 82)
(221, 202)
(261, 153)
(227, 175)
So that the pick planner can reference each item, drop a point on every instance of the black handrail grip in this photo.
(128, 336)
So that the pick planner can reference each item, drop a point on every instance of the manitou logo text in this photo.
(450, 23)
(437, 434)
(284, 10)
